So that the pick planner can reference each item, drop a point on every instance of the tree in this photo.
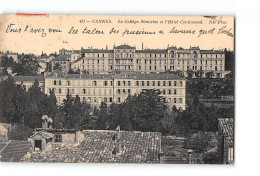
(190, 73)
(25, 107)
(199, 141)
(147, 110)
(57, 66)
(199, 74)
(27, 65)
(210, 75)
(103, 117)
(73, 114)
(20, 132)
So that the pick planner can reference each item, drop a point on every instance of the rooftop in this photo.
(28, 78)
(98, 147)
(124, 46)
(60, 58)
(226, 126)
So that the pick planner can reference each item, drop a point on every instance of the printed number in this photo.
(82, 21)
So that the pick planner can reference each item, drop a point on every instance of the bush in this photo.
(20, 132)
(199, 141)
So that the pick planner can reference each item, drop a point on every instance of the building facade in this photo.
(115, 88)
(128, 58)
(62, 62)
(27, 81)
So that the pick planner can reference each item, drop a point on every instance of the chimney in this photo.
(45, 122)
(50, 123)
(116, 138)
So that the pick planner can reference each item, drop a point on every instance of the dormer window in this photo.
(195, 54)
(172, 54)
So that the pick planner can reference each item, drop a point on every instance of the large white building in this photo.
(97, 88)
(128, 58)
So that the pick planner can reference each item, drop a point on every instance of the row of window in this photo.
(128, 83)
(82, 91)
(109, 92)
(159, 83)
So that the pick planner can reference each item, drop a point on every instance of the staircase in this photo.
(13, 151)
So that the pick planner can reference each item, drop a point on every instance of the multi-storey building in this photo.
(62, 61)
(27, 81)
(128, 58)
(109, 88)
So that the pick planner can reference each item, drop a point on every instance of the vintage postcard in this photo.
(117, 89)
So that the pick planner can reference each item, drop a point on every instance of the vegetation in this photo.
(199, 142)
(25, 107)
(20, 132)
(27, 65)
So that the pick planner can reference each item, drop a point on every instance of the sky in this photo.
(37, 34)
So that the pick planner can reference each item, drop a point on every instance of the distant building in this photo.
(115, 88)
(43, 67)
(27, 81)
(223, 102)
(62, 61)
(128, 58)
(226, 140)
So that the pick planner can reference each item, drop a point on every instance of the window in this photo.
(164, 91)
(59, 82)
(153, 83)
(129, 83)
(148, 83)
(175, 92)
(142, 83)
(84, 91)
(118, 100)
(169, 83)
(164, 83)
(174, 100)
(110, 99)
(129, 91)
(169, 92)
(137, 83)
(84, 99)
(118, 91)
(59, 90)
(57, 138)
(175, 83)
(124, 83)
(180, 83)
(68, 83)
(54, 82)
(180, 100)
(195, 54)
(94, 83)
(118, 83)
(105, 83)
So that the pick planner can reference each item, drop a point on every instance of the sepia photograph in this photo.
(143, 89)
